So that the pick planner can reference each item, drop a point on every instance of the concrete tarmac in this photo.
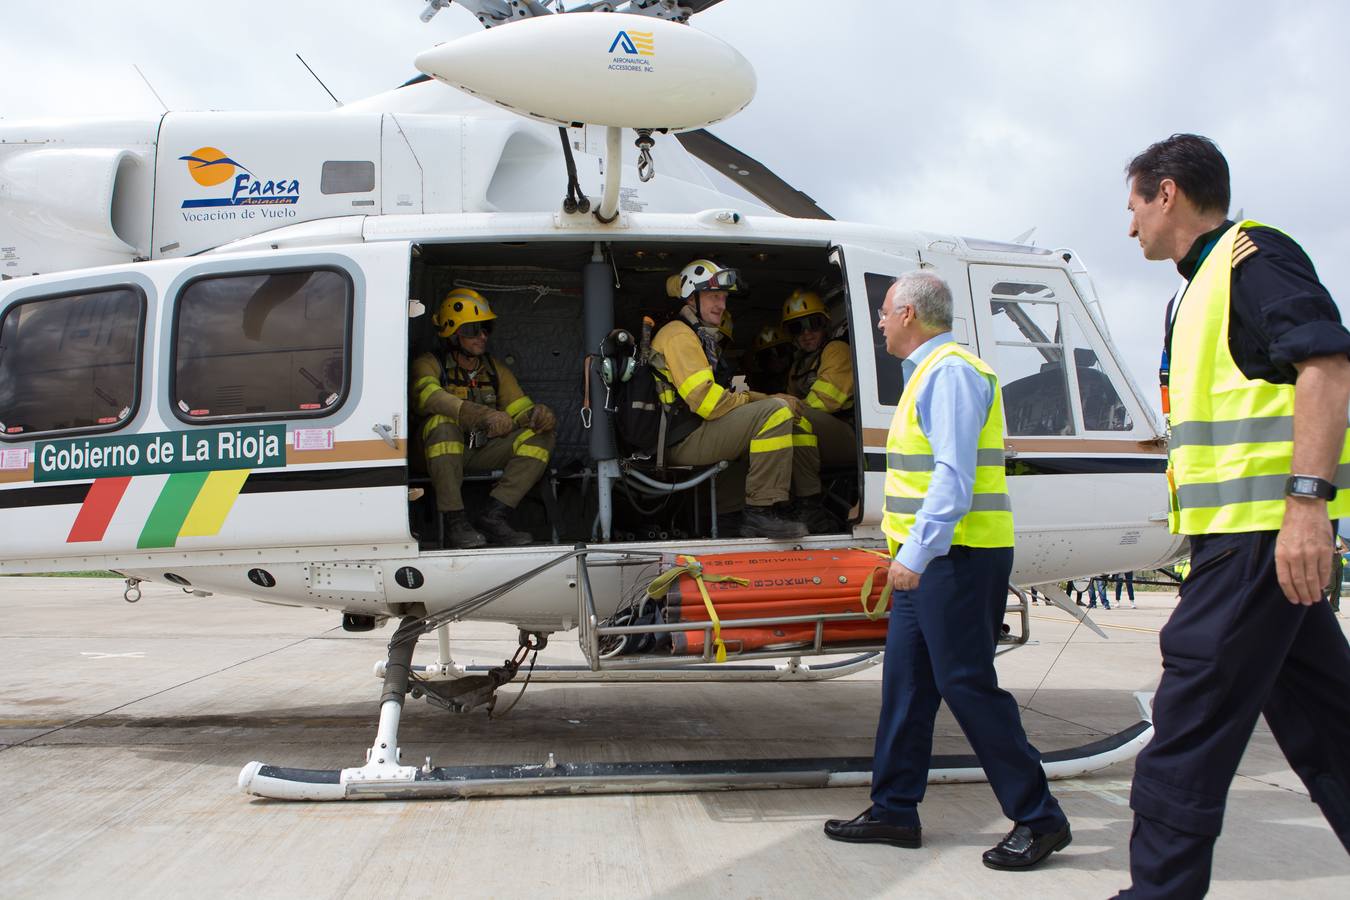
(123, 729)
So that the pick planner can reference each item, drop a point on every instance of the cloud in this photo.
(975, 118)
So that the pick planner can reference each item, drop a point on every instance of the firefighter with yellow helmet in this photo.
(770, 359)
(706, 424)
(821, 376)
(475, 416)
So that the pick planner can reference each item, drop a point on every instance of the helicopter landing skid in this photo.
(386, 780)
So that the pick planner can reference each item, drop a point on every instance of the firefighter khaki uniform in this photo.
(453, 435)
(824, 380)
(780, 450)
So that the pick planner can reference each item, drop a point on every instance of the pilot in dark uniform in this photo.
(1251, 337)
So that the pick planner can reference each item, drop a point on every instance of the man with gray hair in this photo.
(949, 526)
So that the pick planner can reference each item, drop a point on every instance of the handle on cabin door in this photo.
(387, 433)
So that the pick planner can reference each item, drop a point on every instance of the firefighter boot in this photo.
(813, 514)
(495, 524)
(764, 521)
(461, 535)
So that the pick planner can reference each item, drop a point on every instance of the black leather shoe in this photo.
(1022, 848)
(863, 829)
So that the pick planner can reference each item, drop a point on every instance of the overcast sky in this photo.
(976, 117)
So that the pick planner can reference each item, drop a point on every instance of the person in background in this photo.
(1124, 580)
(1097, 591)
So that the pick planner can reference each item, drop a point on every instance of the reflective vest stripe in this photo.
(923, 462)
(978, 503)
(702, 376)
(1243, 431)
(1253, 489)
(516, 407)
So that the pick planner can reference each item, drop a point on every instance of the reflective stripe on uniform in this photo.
(710, 399)
(435, 422)
(427, 387)
(443, 448)
(815, 402)
(923, 462)
(1242, 431)
(702, 376)
(1253, 489)
(803, 434)
(825, 389)
(519, 406)
(771, 444)
(520, 448)
(978, 503)
(778, 417)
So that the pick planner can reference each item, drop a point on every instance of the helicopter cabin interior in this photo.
(537, 291)
(1034, 323)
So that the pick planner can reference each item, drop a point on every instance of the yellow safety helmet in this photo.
(460, 307)
(724, 326)
(801, 303)
(706, 275)
(770, 336)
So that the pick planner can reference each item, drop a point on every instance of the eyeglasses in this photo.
(881, 313)
(810, 323)
(474, 329)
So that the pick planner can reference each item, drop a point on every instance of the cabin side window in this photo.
(262, 345)
(1029, 359)
(71, 362)
(342, 176)
(890, 376)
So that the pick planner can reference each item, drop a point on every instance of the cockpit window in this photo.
(262, 345)
(1103, 410)
(1029, 359)
(71, 363)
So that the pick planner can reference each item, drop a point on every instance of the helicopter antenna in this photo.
(318, 79)
(151, 87)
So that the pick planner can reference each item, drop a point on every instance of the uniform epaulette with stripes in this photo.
(1243, 248)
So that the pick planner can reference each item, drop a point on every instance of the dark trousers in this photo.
(1233, 649)
(940, 646)
(1124, 579)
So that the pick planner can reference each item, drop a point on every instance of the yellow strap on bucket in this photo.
(884, 599)
(689, 565)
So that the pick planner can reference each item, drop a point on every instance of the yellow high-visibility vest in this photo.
(910, 464)
(1232, 437)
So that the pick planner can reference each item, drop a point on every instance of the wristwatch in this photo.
(1309, 486)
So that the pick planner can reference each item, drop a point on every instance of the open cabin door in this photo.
(246, 407)
(867, 276)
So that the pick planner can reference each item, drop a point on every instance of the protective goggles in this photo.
(807, 323)
(725, 280)
(474, 329)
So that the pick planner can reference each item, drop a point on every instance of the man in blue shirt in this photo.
(950, 575)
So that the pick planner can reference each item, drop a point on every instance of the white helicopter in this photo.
(206, 321)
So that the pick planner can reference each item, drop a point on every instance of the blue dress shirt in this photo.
(953, 404)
